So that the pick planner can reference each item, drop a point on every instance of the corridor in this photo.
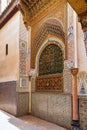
(9, 122)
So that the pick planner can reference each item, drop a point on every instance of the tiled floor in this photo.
(9, 122)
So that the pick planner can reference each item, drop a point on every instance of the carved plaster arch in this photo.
(53, 40)
(55, 21)
(51, 28)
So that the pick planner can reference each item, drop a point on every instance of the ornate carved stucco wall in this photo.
(39, 22)
(50, 27)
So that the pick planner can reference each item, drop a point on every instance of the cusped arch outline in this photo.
(51, 40)
(52, 27)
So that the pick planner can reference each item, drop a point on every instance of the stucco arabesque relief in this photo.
(27, 19)
(47, 29)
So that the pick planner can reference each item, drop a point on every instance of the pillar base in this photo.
(75, 124)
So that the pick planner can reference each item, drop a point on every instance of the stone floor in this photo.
(9, 122)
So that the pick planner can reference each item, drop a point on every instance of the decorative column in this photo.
(30, 76)
(75, 120)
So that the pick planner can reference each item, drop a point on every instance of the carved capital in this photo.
(83, 20)
(74, 71)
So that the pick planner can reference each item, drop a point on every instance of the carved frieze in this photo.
(33, 10)
(34, 6)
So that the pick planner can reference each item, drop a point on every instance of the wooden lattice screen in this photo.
(51, 60)
(49, 83)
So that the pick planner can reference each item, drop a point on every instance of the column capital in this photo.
(74, 71)
(83, 20)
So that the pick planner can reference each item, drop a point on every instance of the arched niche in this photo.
(49, 66)
(50, 28)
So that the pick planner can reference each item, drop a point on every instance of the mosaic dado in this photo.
(83, 112)
(23, 103)
(50, 83)
(53, 107)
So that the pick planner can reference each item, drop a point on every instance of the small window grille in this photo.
(6, 49)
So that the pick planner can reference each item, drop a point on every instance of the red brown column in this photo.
(75, 121)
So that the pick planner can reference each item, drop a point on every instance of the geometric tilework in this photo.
(53, 107)
(83, 112)
(23, 101)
